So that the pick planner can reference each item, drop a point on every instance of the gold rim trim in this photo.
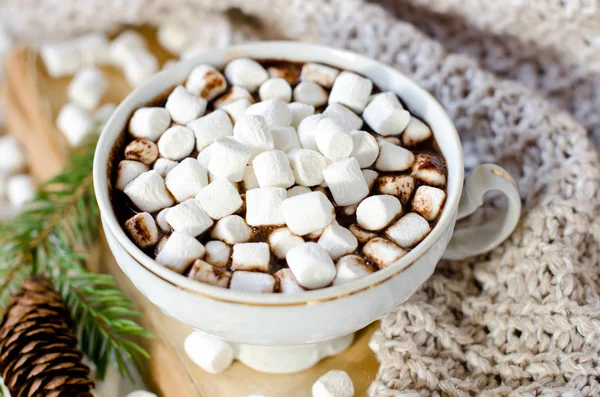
(504, 176)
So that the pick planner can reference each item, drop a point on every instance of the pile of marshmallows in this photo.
(278, 151)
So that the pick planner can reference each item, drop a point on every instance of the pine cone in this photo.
(38, 351)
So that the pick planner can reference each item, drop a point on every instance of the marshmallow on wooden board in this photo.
(249, 180)
(351, 90)
(307, 213)
(287, 282)
(385, 114)
(189, 218)
(246, 72)
(210, 353)
(219, 199)
(161, 220)
(252, 282)
(282, 240)
(285, 138)
(206, 273)
(210, 127)
(393, 158)
(264, 206)
(61, 59)
(364, 148)
(333, 140)
(12, 157)
(231, 229)
(288, 72)
(206, 82)
(346, 117)
(362, 235)
(300, 111)
(370, 177)
(253, 132)
(149, 122)
(142, 229)
(124, 44)
(335, 383)
(217, 253)
(103, 113)
(75, 122)
(346, 182)
(350, 268)
(430, 169)
(409, 230)
(176, 143)
(297, 190)
(311, 265)
(401, 186)
(321, 74)
(237, 109)
(275, 88)
(179, 252)
(138, 66)
(307, 166)
(338, 241)
(186, 179)
(272, 169)
(172, 36)
(307, 130)
(382, 252)
(163, 166)
(228, 159)
(148, 192)
(183, 106)
(127, 171)
(20, 190)
(142, 150)
(94, 48)
(234, 94)
(275, 112)
(310, 93)
(428, 201)
(87, 88)
(415, 132)
(377, 212)
(251, 257)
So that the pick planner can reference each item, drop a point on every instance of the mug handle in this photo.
(471, 241)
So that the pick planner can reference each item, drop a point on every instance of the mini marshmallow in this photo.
(87, 88)
(12, 157)
(94, 48)
(335, 383)
(124, 44)
(172, 36)
(210, 353)
(282, 240)
(264, 206)
(163, 166)
(346, 117)
(415, 132)
(161, 243)
(311, 265)
(409, 230)
(300, 111)
(220, 198)
(287, 282)
(307, 166)
(364, 149)
(288, 72)
(338, 241)
(350, 268)
(251, 256)
(149, 122)
(361, 234)
(351, 90)
(234, 94)
(176, 143)
(61, 59)
(275, 112)
(148, 192)
(75, 123)
(210, 127)
(142, 229)
(401, 186)
(311, 94)
(350, 210)
(333, 140)
(382, 252)
(139, 66)
(206, 82)
(217, 253)
(346, 182)
(275, 88)
(205, 155)
(139, 393)
(161, 220)
(321, 74)
(186, 179)
(103, 113)
(272, 169)
(246, 73)
(209, 274)
(189, 218)
(370, 177)
(252, 282)
(428, 202)
(390, 139)
(127, 171)
(307, 130)
(231, 229)
(253, 132)
(385, 114)
(377, 212)
(249, 181)
(142, 150)
(297, 190)
(307, 213)
(285, 138)
(179, 252)
(393, 158)
(20, 190)
(228, 159)
(430, 169)
(183, 106)
(236, 110)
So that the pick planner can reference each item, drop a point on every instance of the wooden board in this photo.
(32, 102)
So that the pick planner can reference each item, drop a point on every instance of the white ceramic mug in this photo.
(325, 314)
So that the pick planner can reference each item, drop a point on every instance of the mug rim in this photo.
(287, 51)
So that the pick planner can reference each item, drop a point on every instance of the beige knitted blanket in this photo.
(525, 318)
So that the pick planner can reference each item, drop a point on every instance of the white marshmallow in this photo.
(401, 186)
(409, 230)
(20, 190)
(307, 130)
(264, 206)
(176, 143)
(361, 234)
(307, 166)
(428, 202)
(321, 74)
(209, 274)
(377, 212)
(75, 123)
(385, 114)
(183, 106)
(393, 158)
(287, 282)
(338, 241)
(311, 265)
(364, 149)
(236, 110)
(234, 94)
(127, 171)
(346, 182)
(87, 88)
(142, 150)
(217, 253)
(250, 182)
(149, 122)
(311, 94)
(161, 243)
(430, 169)
(172, 36)
(94, 48)
(346, 117)
(139, 393)
(391, 139)
(12, 157)
(288, 72)
(161, 220)
(205, 155)
(163, 166)
(350, 209)
(335, 383)
(228, 159)
(275, 112)
(272, 169)
(210, 127)
(415, 132)
(275, 88)
(297, 190)
(142, 230)
(206, 82)
(333, 140)
(307, 213)
(124, 44)
(186, 179)
(251, 256)
(148, 192)
(179, 252)
(370, 177)
(349, 268)
(351, 90)
(61, 59)
(189, 218)
(282, 240)
(220, 198)
(138, 66)
(103, 113)
(285, 138)
(231, 229)
(382, 252)
(252, 282)
(300, 111)
(246, 73)
(210, 353)
(253, 132)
